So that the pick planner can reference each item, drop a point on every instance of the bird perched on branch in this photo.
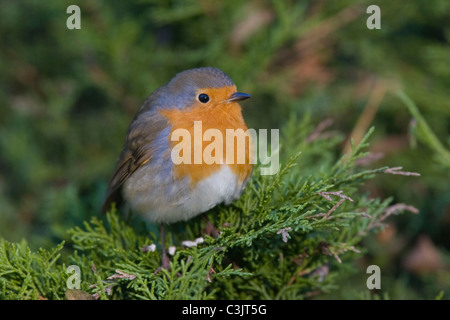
(159, 172)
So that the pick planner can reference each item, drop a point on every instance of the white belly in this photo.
(158, 204)
(222, 186)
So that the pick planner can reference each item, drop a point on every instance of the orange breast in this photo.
(220, 116)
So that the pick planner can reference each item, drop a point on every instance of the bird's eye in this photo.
(203, 98)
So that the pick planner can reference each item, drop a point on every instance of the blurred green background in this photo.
(67, 97)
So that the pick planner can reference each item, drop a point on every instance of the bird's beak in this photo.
(238, 96)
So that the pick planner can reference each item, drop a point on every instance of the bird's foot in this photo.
(209, 229)
(165, 264)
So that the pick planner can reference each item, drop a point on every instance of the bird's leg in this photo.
(165, 263)
(210, 230)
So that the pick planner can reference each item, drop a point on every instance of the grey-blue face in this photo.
(184, 87)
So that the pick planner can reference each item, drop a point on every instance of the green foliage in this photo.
(27, 275)
(281, 240)
(67, 97)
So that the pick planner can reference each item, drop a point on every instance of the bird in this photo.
(165, 191)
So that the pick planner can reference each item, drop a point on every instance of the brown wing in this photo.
(137, 152)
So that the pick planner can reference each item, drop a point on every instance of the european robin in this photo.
(167, 191)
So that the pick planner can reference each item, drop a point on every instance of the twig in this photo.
(121, 275)
(342, 250)
(395, 170)
(210, 272)
(339, 194)
(326, 195)
(333, 208)
(396, 208)
(389, 211)
(318, 131)
(284, 233)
